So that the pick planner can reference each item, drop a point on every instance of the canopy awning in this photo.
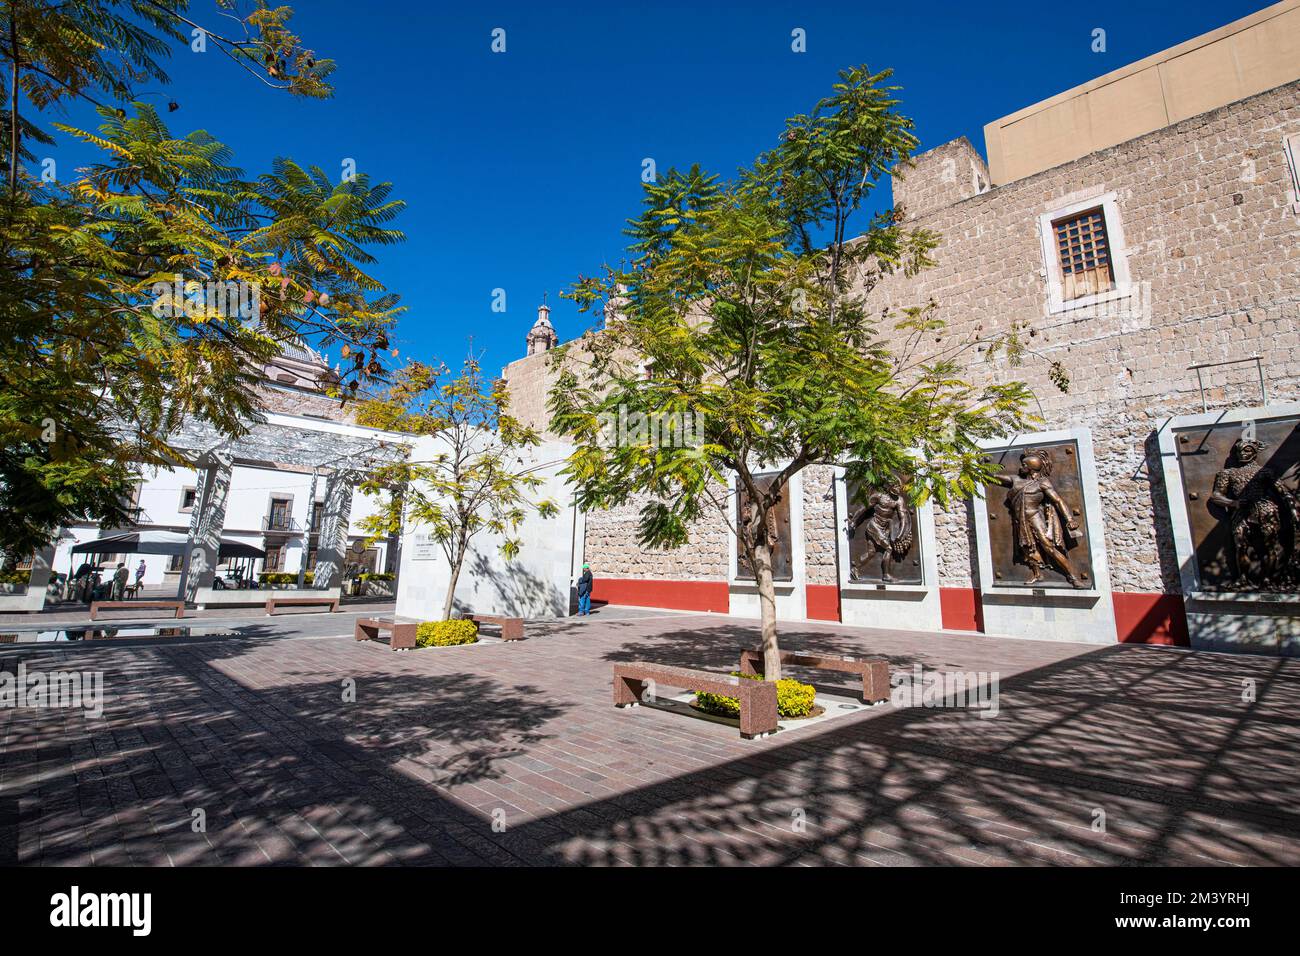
(132, 542)
(161, 542)
(239, 549)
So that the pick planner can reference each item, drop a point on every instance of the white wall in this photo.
(536, 584)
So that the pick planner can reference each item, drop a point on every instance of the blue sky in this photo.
(520, 168)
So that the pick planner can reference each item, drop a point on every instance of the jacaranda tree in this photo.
(476, 480)
(745, 305)
(150, 286)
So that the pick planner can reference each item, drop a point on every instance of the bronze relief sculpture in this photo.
(1261, 513)
(1241, 490)
(778, 533)
(881, 527)
(1044, 527)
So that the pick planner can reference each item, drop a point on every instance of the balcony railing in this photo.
(282, 523)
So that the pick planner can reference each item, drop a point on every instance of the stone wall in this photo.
(1213, 249)
(940, 177)
(292, 401)
(530, 378)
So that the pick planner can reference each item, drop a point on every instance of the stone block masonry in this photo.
(1207, 227)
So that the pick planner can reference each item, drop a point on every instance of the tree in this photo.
(478, 482)
(745, 307)
(151, 287)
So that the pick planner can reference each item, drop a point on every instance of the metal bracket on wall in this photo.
(1259, 368)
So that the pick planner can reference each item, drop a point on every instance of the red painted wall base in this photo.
(646, 592)
(824, 602)
(960, 609)
(1139, 618)
(1151, 619)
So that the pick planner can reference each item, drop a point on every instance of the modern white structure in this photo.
(537, 583)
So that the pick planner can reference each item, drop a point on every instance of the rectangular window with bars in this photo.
(1083, 251)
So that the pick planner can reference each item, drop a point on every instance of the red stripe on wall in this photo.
(1150, 619)
(824, 602)
(680, 595)
(960, 609)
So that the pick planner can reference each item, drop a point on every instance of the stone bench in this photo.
(757, 698)
(512, 628)
(96, 606)
(274, 602)
(403, 632)
(874, 671)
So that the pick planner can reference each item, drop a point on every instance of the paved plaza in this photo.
(512, 754)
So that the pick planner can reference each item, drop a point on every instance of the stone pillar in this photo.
(39, 582)
(206, 523)
(332, 542)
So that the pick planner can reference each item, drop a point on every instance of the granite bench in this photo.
(758, 714)
(874, 671)
(512, 628)
(274, 602)
(402, 632)
(178, 607)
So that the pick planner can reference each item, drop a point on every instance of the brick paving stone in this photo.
(441, 744)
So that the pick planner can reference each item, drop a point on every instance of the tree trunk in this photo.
(451, 587)
(767, 608)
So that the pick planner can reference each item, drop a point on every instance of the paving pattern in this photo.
(247, 750)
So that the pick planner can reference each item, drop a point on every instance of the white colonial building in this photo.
(288, 488)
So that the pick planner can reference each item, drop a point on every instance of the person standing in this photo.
(139, 574)
(80, 586)
(584, 591)
(119, 580)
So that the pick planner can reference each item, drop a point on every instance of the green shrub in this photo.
(376, 576)
(446, 633)
(793, 699)
(17, 576)
(284, 577)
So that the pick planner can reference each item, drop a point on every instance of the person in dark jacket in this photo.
(584, 590)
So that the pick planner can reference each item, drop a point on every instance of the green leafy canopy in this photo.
(746, 304)
(94, 378)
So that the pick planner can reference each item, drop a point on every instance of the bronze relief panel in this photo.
(884, 536)
(1242, 486)
(778, 527)
(1037, 523)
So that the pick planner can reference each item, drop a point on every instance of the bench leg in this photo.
(749, 663)
(875, 683)
(759, 715)
(512, 631)
(403, 638)
(627, 691)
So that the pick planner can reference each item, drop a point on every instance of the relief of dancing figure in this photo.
(1040, 519)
